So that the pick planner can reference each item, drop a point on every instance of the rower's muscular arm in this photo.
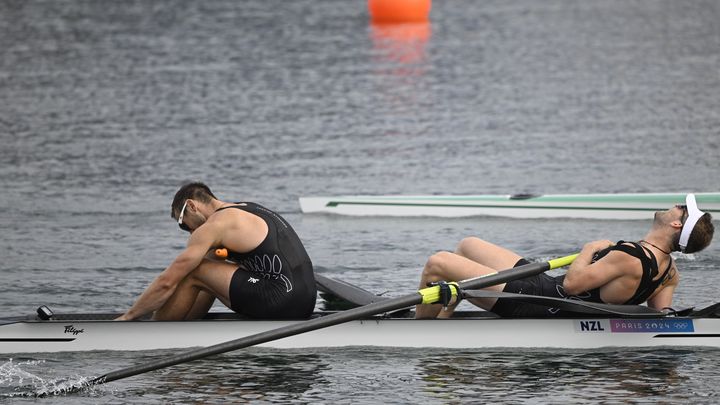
(164, 285)
(583, 275)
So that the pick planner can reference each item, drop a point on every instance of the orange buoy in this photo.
(399, 11)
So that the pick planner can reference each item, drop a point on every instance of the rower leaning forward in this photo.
(269, 274)
(629, 273)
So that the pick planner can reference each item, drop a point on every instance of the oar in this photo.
(428, 295)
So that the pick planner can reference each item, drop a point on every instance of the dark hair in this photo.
(701, 235)
(196, 191)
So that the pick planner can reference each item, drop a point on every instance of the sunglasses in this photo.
(180, 218)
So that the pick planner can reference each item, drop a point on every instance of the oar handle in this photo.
(562, 261)
(221, 253)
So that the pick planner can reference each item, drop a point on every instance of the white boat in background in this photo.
(589, 206)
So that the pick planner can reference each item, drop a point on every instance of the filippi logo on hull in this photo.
(73, 330)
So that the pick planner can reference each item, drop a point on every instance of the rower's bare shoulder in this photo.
(239, 221)
(622, 259)
(229, 215)
(620, 265)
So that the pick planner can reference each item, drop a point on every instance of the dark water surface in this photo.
(107, 107)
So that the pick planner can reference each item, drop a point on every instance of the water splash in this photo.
(16, 381)
(12, 374)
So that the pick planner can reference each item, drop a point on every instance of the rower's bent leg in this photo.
(203, 303)
(487, 254)
(198, 290)
(446, 266)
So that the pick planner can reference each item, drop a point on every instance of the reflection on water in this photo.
(362, 375)
(400, 63)
(262, 375)
(401, 43)
(561, 376)
(247, 375)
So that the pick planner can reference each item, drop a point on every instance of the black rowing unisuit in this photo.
(275, 279)
(548, 286)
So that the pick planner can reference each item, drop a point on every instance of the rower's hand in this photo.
(122, 317)
(598, 245)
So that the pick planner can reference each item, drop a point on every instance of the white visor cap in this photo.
(694, 214)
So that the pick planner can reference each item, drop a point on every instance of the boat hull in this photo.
(462, 332)
(588, 206)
